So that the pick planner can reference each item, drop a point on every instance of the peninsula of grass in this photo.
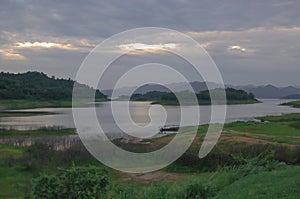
(16, 104)
(295, 104)
(50, 131)
(11, 113)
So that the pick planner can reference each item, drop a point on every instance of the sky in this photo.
(252, 42)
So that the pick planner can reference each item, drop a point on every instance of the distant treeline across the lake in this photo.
(38, 86)
(233, 96)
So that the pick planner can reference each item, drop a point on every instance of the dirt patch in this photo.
(251, 138)
(247, 140)
(149, 178)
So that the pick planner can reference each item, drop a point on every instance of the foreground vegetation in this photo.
(251, 160)
(32, 172)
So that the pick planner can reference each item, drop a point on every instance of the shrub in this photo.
(76, 182)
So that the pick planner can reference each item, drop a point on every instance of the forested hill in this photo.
(233, 96)
(38, 86)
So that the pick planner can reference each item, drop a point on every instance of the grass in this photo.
(270, 128)
(23, 113)
(280, 183)
(13, 179)
(255, 176)
(203, 102)
(277, 129)
(39, 132)
(18, 166)
(281, 118)
(30, 104)
(11, 151)
(295, 104)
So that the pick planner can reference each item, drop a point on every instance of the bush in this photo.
(76, 182)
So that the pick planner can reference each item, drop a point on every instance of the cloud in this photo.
(59, 34)
(11, 54)
(237, 48)
(44, 45)
(145, 48)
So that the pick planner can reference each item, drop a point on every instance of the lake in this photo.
(140, 115)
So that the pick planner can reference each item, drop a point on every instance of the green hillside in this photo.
(38, 86)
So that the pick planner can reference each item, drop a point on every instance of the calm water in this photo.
(140, 115)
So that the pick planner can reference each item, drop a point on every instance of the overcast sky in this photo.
(252, 42)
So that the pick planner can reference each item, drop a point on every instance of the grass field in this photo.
(283, 129)
(13, 179)
(280, 183)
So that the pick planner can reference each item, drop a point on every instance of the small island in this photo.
(233, 96)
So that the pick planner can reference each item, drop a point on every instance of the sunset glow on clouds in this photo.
(237, 48)
(43, 45)
(147, 47)
(10, 54)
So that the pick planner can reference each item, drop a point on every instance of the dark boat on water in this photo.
(169, 128)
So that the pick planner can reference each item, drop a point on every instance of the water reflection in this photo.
(140, 114)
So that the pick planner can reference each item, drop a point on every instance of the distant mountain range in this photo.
(181, 86)
(268, 91)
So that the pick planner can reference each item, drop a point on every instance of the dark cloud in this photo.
(253, 25)
(103, 18)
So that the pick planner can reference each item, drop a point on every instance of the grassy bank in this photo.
(30, 104)
(204, 102)
(295, 104)
(284, 129)
(54, 131)
(23, 113)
